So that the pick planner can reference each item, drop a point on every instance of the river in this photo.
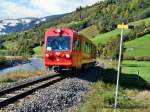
(34, 64)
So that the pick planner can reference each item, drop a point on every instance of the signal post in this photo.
(122, 27)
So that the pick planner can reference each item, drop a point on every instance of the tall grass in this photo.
(134, 92)
(19, 75)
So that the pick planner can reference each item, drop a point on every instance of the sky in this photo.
(12, 9)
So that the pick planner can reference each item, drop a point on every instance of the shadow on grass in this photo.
(132, 65)
(105, 93)
(130, 81)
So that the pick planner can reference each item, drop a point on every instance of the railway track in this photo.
(11, 95)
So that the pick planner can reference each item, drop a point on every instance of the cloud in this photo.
(39, 8)
(13, 10)
(63, 6)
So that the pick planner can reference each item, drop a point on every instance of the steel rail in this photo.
(27, 89)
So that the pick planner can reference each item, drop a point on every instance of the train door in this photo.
(77, 52)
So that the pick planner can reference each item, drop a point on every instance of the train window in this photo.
(58, 43)
(90, 48)
(86, 46)
(77, 45)
(74, 45)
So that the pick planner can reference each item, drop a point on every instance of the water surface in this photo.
(34, 64)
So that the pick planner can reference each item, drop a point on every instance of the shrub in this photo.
(139, 58)
(144, 14)
(128, 58)
(143, 58)
(146, 58)
(3, 61)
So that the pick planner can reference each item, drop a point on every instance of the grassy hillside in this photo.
(90, 32)
(38, 51)
(9, 44)
(103, 38)
(138, 47)
(90, 20)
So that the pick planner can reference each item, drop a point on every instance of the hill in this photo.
(90, 20)
(139, 47)
(103, 38)
(90, 32)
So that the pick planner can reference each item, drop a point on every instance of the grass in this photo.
(138, 47)
(90, 32)
(141, 68)
(39, 51)
(19, 75)
(10, 44)
(3, 52)
(133, 90)
(101, 99)
(103, 38)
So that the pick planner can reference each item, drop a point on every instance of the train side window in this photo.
(77, 46)
(92, 49)
(89, 48)
(74, 45)
(86, 47)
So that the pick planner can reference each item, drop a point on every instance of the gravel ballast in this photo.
(63, 96)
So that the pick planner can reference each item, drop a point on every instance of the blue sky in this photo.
(11, 9)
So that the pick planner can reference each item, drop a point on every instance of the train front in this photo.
(58, 49)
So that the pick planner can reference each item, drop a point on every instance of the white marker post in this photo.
(122, 27)
(119, 66)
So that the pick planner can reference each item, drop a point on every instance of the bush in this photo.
(128, 58)
(145, 14)
(146, 58)
(130, 36)
(140, 58)
(2, 61)
(143, 58)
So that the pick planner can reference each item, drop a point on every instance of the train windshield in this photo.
(58, 43)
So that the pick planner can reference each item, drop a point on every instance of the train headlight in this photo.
(47, 55)
(68, 56)
(59, 30)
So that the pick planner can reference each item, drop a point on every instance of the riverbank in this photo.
(34, 64)
(9, 61)
(19, 75)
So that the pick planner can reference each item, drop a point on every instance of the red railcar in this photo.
(65, 49)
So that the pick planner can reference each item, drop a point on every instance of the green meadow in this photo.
(140, 68)
(138, 47)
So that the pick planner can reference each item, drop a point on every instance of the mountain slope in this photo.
(17, 25)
